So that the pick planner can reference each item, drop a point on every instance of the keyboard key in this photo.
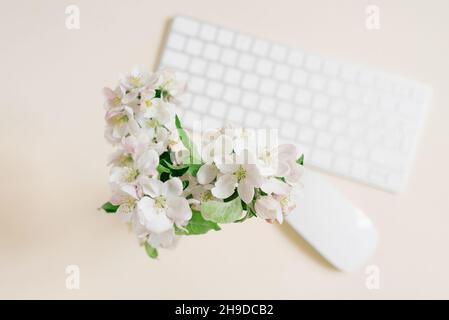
(320, 120)
(278, 53)
(250, 100)
(246, 62)
(299, 77)
(267, 105)
(229, 57)
(176, 41)
(282, 72)
(236, 114)
(342, 145)
(349, 73)
(175, 60)
(360, 151)
(335, 88)
(337, 125)
(196, 84)
(232, 95)
(218, 109)
(191, 119)
(197, 66)
(284, 110)
(285, 92)
(303, 97)
(264, 67)
(186, 26)
(250, 81)
(324, 140)
(306, 134)
(331, 68)
(260, 47)
(225, 37)
(338, 107)
(313, 63)
(201, 104)
(243, 42)
(352, 93)
(359, 170)
(317, 82)
(233, 76)
(210, 123)
(267, 87)
(253, 119)
(303, 115)
(211, 52)
(320, 102)
(208, 32)
(295, 58)
(194, 47)
(272, 123)
(214, 89)
(288, 130)
(215, 71)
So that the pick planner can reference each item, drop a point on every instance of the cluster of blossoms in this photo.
(166, 187)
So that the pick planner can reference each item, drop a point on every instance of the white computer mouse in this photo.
(340, 232)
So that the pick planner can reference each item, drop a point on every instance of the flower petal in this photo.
(151, 187)
(166, 239)
(178, 210)
(225, 186)
(273, 185)
(207, 173)
(287, 151)
(172, 187)
(153, 220)
(267, 208)
(147, 162)
(246, 190)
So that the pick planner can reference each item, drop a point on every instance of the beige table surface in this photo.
(53, 156)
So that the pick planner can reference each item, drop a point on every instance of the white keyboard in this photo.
(347, 119)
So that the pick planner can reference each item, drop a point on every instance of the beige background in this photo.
(53, 156)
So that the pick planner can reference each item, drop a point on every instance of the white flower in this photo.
(164, 207)
(268, 208)
(167, 239)
(120, 123)
(243, 173)
(274, 185)
(144, 165)
(171, 88)
(218, 150)
(159, 112)
(138, 78)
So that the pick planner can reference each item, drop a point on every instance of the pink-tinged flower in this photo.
(242, 173)
(138, 79)
(164, 205)
(143, 165)
(269, 208)
(171, 88)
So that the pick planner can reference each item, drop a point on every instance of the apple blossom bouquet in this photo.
(165, 186)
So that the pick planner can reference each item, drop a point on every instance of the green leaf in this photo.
(162, 169)
(109, 207)
(193, 169)
(151, 252)
(194, 158)
(198, 225)
(222, 212)
(300, 160)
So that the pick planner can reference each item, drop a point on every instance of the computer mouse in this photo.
(326, 219)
